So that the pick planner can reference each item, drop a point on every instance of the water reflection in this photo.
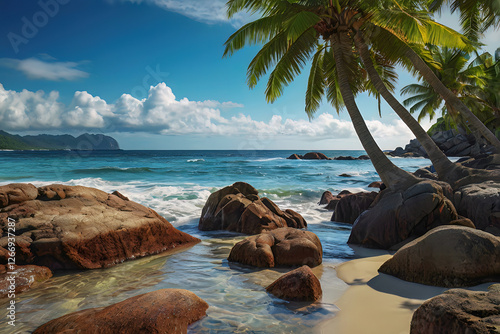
(236, 293)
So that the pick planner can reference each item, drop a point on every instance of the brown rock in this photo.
(161, 311)
(238, 208)
(298, 285)
(25, 278)
(351, 206)
(281, 247)
(294, 157)
(449, 256)
(331, 201)
(459, 311)
(399, 215)
(17, 193)
(332, 205)
(315, 156)
(326, 198)
(72, 227)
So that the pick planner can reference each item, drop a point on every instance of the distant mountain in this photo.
(86, 142)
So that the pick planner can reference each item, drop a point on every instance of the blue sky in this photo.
(151, 74)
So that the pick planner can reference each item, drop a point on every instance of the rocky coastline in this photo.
(62, 227)
(451, 142)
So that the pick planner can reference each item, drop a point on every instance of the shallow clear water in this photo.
(176, 184)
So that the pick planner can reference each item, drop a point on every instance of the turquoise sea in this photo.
(177, 184)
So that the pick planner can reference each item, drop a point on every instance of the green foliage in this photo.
(9, 142)
(476, 83)
(294, 33)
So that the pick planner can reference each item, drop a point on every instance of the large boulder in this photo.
(459, 311)
(449, 256)
(239, 208)
(74, 227)
(351, 206)
(281, 247)
(481, 203)
(297, 285)
(161, 311)
(398, 215)
(17, 279)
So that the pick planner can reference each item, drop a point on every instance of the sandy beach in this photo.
(374, 302)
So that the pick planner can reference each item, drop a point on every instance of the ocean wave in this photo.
(269, 159)
(111, 169)
(195, 160)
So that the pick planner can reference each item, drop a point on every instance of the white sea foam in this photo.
(269, 159)
(195, 160)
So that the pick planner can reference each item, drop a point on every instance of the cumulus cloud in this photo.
(45, 69)
(212, 11)
(161, 112)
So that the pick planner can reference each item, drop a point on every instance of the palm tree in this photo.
(445, 169)
(451, 99)
(475, 16)
(466, 81)
(293, 34)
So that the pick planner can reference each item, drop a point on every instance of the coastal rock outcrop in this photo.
(396, 216)
(452, 143)
(281, 247)
(350, 206)
(75, 227)
(239, 208)
(298, 285)
(449, 256)
(309, 156)
(459, 311)
(481, 204)
(161, 311)
(25, 278)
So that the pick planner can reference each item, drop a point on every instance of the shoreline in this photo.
(374, 302)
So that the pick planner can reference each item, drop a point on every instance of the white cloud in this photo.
(162, 113)
(208, 11)
(46, 69)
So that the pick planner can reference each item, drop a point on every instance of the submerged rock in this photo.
(161, 311)
(239, 208)
(351, 206)
(74, 227)
(25, 277)
(459, 311)
(398, 215)
(281, 247)
(298, 285)
(449, 256)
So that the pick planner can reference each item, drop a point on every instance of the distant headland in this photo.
(84, 142)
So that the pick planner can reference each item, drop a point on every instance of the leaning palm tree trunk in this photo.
(443, 165)
(388, 172)
(452, 99)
